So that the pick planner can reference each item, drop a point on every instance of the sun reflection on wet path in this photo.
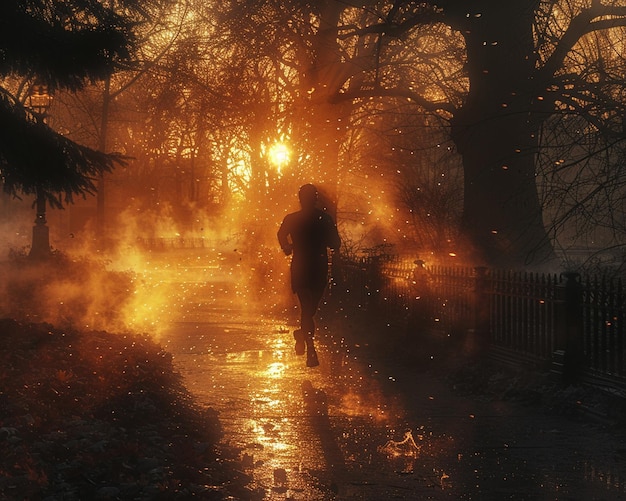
(304, 433)
(347, 430)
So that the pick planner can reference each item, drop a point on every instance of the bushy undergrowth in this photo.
(92, 415)
(64, 291)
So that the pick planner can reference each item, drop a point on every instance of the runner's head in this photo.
(308, 196)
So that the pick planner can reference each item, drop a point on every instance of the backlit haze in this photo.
(152, 246)
(221, 126)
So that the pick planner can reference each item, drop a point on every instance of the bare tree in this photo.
(496, 71)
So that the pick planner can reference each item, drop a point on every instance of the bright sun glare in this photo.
(279, 155)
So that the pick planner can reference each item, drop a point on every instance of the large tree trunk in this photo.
(323, 77)
(496, 134)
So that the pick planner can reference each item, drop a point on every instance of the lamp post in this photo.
(39, 100)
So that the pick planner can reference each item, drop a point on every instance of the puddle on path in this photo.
(311, 434)
(340, 432)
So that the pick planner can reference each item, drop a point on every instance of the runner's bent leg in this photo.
(307, 311)
(309, 302)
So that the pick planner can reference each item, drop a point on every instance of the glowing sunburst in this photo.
(279, 155)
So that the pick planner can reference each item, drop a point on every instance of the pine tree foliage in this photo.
(36, 159)
(63, 45)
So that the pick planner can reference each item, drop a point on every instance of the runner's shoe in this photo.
(298, 335)
(311, 354)
(311, 358)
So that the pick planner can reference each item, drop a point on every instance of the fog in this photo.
(122, 277)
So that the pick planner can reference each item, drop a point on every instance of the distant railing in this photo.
(574, 326)
(166, 243)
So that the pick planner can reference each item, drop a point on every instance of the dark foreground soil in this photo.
(95, 415)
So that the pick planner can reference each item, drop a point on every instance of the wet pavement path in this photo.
(349, 430)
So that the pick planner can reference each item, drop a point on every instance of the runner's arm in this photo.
(283, 238)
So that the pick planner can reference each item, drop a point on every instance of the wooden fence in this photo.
(574, 325)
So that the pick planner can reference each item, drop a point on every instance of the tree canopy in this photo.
(515, 82)
(490, 129)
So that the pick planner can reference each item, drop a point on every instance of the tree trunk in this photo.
(496, 134)
(323, 78)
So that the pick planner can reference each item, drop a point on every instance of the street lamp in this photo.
(39, 101)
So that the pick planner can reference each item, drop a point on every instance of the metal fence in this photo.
(574, 325)
(602, 312)
(167, 243)
(523, 309)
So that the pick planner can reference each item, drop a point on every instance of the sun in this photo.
(279, 155)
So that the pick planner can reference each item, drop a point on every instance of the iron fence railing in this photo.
(166, 243)
(523, 309)
(573, 324)
(602, 312)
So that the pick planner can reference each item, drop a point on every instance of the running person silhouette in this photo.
(307, 234)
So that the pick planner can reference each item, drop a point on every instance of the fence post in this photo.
(374, 281)
(569, 331)
(420, 300)
(481, 331)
